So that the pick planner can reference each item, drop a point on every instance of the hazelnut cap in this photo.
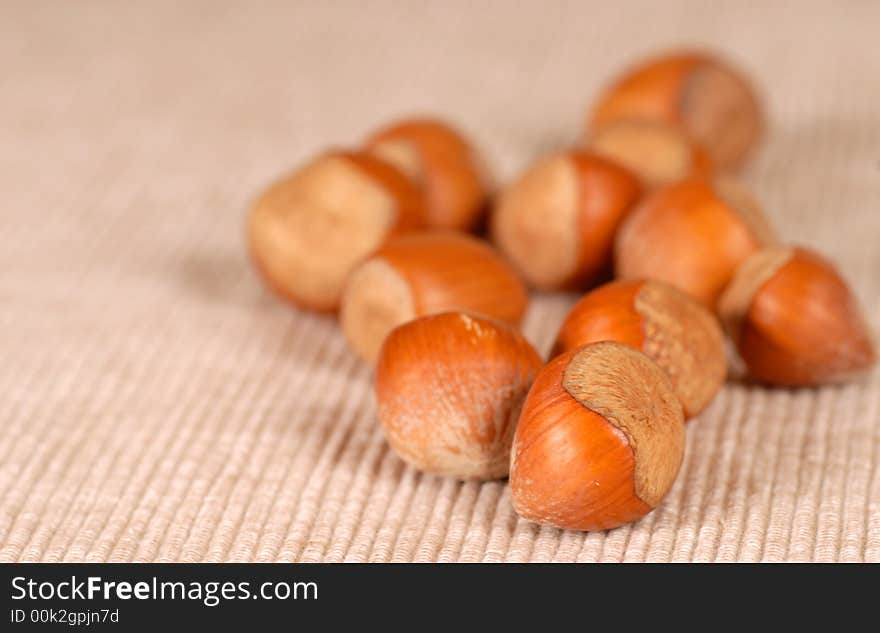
(656, 152)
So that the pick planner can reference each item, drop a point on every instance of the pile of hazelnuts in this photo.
(386, 236)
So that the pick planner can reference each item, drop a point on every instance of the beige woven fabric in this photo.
(156, 404)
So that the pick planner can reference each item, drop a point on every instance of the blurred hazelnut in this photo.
(440, 159)
(557, 221)
(309, 230)
(706, 97)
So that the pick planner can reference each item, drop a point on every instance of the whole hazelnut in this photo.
(692, 235)
(704, 96)
(600, 440)
(425, 273)
(656, 152)
(795, 320)
(449, 388)
(556, 222)
(308, 231)
(672, 329)
(441, 160)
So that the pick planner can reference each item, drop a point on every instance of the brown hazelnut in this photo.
(556, 222)
(672, 329)
(795, 320)
(706, 97)
(309, 230)
(692, 235)
(600, 440)
(656, 152)
(440, 159)
(424, 273)
(449, 388)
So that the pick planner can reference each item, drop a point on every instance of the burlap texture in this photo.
(159, 405)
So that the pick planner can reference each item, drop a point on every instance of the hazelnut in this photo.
(657, 153)
(795, 320)
(672, 329)
(701, 94)
(449, 389)
(309, 230)
(600, 439)
(425, 273)
(557, 221)
(442, 161)
(692, 235)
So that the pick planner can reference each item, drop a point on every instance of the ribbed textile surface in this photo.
(157, 404)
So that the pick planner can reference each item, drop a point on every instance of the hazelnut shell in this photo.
(691, 235)
(672, 329)
(449, 388)
(308, 231)
(795, 321)
(557, 221)
(423, 273)
(600, 440)
(657, 153)
(696, 91)
(440, 159)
